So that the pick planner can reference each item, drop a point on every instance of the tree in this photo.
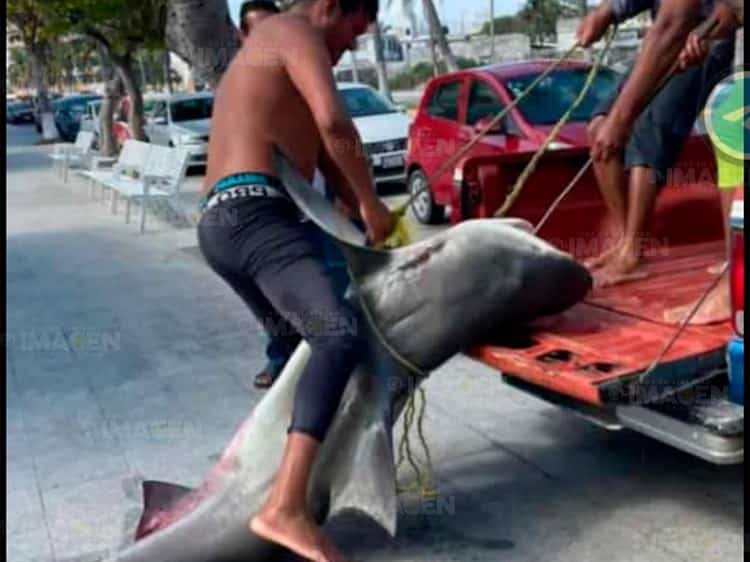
(438, 34)
(380, 66)
(121, 29)
(19, 69)
(542, 15)
(27, 19)
(202, 33)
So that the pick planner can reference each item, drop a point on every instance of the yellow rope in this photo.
(423, 486)
(532, 165)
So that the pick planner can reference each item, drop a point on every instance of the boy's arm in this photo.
(661, 47)
(309, 66)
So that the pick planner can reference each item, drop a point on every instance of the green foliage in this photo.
(423, 72)
(123, 25)
(541, 18)
(506, 24)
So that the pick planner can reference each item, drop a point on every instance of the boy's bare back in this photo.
(257, 105)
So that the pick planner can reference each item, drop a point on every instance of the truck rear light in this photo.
(737, 273)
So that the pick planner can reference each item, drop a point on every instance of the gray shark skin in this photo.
(429, 301)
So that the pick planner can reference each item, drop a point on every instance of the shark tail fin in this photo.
(366, 482)
(159, 499)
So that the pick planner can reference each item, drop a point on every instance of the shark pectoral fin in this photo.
(158, 498)
(365, 478)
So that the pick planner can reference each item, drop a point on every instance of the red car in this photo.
(455, 106)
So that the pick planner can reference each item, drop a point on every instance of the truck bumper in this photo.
(690, 437)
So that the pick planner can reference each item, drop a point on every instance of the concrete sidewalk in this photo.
(128, 358)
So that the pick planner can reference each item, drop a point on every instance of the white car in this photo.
(384, 129)
(183, 120)
(90, 119)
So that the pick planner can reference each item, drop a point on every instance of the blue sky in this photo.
(453, 12)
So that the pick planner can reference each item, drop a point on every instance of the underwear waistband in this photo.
(247, 184)
(246, 178)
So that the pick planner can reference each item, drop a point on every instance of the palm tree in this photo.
(380, 66)
(438, 40)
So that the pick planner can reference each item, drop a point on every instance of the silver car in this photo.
(183, 120)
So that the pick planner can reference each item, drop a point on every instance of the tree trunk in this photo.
(124, 66)
(438, 36)
(112, 95)
(492, 31)
(203, 34)
(168, 71)
(380, 67)
(355, 68)
(38, 55)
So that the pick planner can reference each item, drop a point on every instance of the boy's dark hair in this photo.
(370, 7)
(252, 5)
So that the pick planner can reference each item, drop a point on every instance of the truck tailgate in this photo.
(618, 332)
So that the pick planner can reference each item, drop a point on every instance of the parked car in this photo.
(68, 114)
(90, 118)
(384, 129)
(455, 106)
(19, 112)
(182, 120)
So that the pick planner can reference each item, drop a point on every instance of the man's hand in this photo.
(610, 138)
(723, 23)
(378, 219)
(595, 25)
(694, 52)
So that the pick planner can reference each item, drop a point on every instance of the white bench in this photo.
(65, 155)
(161, 177)
(129, 167)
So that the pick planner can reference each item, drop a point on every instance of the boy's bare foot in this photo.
(716, 308)
(718, 268)
(602, 259)
(623, 268)
(296, 532)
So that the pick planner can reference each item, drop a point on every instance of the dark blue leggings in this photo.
(263, 251)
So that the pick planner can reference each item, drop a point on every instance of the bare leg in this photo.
(609, 178)
(285, 518)
(727, 197)
(718, 304)
(626, 264)
(716, 308)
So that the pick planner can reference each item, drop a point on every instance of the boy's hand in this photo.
(378, 219)
(594, 26)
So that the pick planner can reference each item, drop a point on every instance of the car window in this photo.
(160, 109)
(192, 109)
(483, 102)
(444, 102)
(552, 97)
(149, 106)
(363, 102)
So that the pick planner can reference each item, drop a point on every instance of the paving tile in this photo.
(29, 546)
(74, 516)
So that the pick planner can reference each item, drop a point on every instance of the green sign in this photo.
(728, 118)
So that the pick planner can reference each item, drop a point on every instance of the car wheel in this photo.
(423, 206)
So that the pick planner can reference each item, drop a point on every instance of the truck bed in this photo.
(617, 333)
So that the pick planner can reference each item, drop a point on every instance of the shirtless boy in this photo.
(280, 92)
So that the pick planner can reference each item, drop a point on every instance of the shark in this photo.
(424, 303)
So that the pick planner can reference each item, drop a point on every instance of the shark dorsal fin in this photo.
(158, 498)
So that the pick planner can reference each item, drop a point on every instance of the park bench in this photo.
(160, 176)
(128, 167)
(79, 153)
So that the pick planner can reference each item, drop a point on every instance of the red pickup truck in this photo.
(590, 359)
